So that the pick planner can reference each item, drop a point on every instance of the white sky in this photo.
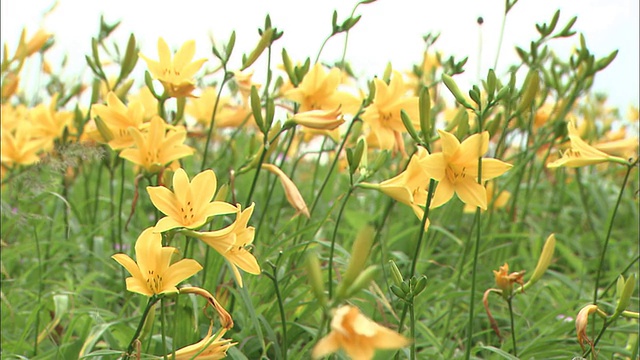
(390, 30)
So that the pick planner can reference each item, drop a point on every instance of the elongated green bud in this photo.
(359, 254)
(543, 262)
(531, 86)
(315, 278)
(424, 104)
(395, 273)
(362, 281)
(453, 87)
(624, 296)
(256, 108)
(265, 40)
(409, 126)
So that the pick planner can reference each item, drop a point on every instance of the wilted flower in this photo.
(505, 281)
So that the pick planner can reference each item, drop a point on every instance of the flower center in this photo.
(454, 174)
(187, 213)
(154, 282)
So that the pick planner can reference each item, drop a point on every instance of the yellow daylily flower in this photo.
(158, 146)
(456, 169)
(17, 147)
(175, 75)
(119, 118)
(49, 123)
(318, 90)
(148, 101)
(357, 335)
(211, 347)
(500, 200)
(383, 115)
(410, 187)
(153, 273)
(227, 113)
(189, 205)
(582, 154)
(232, 241)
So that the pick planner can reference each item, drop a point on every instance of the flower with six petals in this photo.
(153, 273)
(189, 205)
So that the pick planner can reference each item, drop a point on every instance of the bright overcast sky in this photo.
(390, 30)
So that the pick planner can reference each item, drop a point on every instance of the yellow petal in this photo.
(178, 272)
(470, 192)
(444, 192)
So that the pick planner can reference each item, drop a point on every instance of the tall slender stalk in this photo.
(513, 329)
(606, 240)
(333, 239)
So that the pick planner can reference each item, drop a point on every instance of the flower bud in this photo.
(319, 119)
(315, 278)
(290, 190)
(543, 261)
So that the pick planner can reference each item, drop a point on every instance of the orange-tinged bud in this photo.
(290, 189)
(319, 119)
(37, 42)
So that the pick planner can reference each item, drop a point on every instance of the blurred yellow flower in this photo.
(175, 75)
(189, 205)
(153, 273)
(318, 90)
(357, 335)
(232, 241)
(227, 113)
(157, 146)
(580, 153)
(383, 114)
(49, 123)
(19, 148)
(119, 118)
(148, 101)
(456, 169)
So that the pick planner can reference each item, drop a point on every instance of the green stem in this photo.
(333, 239)
(333, 165)
(122, 183)
(283, 318)
(163, 321)
(513, 329)
(606, 241)
(152, 301)
(213, 118)
(412, 319)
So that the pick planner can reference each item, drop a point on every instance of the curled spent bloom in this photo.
(456, 169)
(176, 75)
(582, 154)
(232, 243)
(581, 324)
(383, 114)
(153, 272)
(290, 190)
(505, 281)
(119, 118)
(225, 318)
(157, 145)
(189, 205)
(357, 335)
